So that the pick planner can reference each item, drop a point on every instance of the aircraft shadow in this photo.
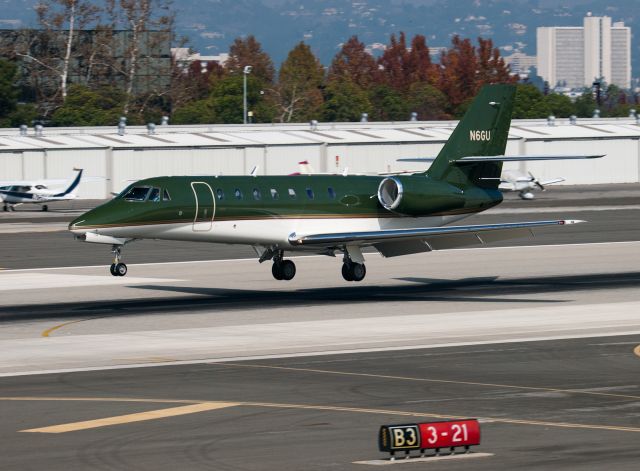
(220, 300)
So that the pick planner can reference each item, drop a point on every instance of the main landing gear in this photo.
(352, 271)
(117, 268)
(282, 269)
(353, 268)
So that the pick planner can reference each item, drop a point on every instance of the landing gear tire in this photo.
(45, 207)
(283, 270)
(117, 268)
(5, 208)
(354, 271)
(346, 272)
(121, 269)
(288, 270)
(276, 270)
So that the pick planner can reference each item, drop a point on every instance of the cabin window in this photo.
(137, 193)
(256, 194)
(274, 194)
(332, 193)
(154, 195)
(310, 193)
(292, 193)
(19, 188)
(220, 193)
(165, 195)
(237, 193)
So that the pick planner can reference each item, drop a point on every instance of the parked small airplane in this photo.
(14, 193)
(510, 180)
(524, 184)
(330, 214)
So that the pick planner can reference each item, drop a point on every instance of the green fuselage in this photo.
(285, 197)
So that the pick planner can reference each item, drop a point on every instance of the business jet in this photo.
(330, 214)
(14, 193)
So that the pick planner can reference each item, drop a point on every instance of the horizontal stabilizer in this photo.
(522, 158)
(416, 159)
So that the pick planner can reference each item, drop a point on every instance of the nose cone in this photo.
(92, 219)
(79, 224)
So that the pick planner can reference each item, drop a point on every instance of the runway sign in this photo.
(429, 436)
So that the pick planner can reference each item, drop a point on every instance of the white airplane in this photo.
(524, 184)
(14, 193)
(510, 180)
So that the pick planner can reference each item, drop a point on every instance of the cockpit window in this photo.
(154, 195)
(165, 195)
(137, 193)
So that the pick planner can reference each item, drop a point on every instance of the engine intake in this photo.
(418, 195)
(390, 193)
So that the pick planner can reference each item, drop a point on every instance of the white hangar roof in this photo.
(260, 135)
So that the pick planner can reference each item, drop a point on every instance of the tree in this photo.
(419, 66)
(465, 68)
(558, 105)
(47, 55)
(227, 95)
(529, 103)
(248, 51)
(585, 104)
(140, 17)
(87, 107)
(459, 68)
(429, 102)
(491, 67)
(393, 63)
(8, 89)
(195, 112)
(344, 101)
(300, 78)
(355, 63)
(388, 104)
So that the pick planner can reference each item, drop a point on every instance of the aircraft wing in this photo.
(393, 242)
(32, 182)
(552, 181)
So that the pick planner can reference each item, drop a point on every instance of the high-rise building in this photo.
(621, 55)
(520, 63)
(575, 57)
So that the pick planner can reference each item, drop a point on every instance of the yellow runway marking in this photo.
(202, 406)
(129, 418)
(428, 380)
(48, 332)
(636, 351)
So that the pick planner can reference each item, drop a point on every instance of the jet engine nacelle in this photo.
(409, 196)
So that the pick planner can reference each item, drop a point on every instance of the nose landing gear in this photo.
(117, 268)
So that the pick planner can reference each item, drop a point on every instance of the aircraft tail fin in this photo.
(74, 184)
(483, 131)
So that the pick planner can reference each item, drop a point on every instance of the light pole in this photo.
(247, 71)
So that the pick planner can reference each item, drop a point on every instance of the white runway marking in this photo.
(23, 227)
(10, 281)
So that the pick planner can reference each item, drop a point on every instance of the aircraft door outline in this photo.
(205, 206)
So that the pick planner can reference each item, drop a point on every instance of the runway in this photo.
(212, 364)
